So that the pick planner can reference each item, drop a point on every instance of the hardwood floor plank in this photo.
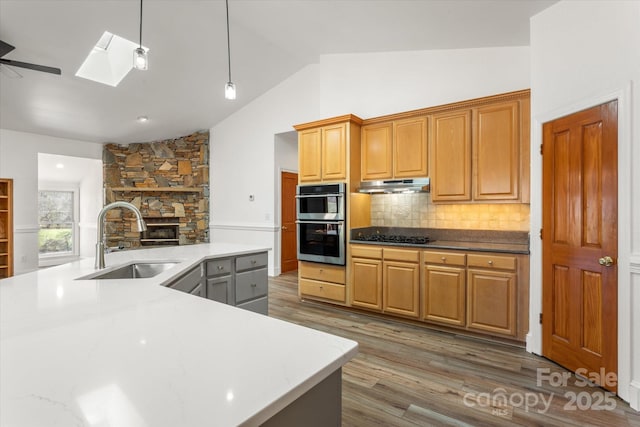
(407, 375)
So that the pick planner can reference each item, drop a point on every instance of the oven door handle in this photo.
(305, 196)
(340, 222)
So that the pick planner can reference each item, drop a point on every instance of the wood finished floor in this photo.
(406, 375)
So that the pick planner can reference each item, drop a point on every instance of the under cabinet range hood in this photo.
(410, 185)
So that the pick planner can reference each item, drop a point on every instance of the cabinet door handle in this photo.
(490, 262)
(220, 267)
(253, 285)
(253, 261)
(444, 259)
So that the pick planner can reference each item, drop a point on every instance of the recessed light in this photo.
(59, 165)
(142, 119)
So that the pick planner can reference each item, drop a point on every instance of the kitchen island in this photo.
(130, 352)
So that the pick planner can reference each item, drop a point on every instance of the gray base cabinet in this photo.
(240, 281)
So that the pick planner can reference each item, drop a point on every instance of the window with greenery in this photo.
(56, 211)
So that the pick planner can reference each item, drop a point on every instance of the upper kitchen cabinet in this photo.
(395, 149)
(451, 156)
(480, 150)
(328, 148)
(496, 152)
(377, 151)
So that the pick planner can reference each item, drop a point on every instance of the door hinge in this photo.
(541, 234)
(541, 149)
(541, 318)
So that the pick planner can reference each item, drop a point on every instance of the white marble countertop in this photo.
(134, 353)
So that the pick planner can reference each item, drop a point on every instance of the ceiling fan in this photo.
(6, 48)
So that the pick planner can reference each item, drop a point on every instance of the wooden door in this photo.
(289, 231)
(496, 152)
(580, 246)
(401, 284)
(334, 152)
(366, 282)
(451, 156)
(410, 148)
(444, 294)
(309, 155)
(377, 153)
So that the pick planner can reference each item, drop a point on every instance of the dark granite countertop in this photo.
(515, 242)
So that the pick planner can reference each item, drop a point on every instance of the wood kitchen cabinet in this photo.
(401, 282)
(492, 284)
(496, 151)
(476, 291)
(377, 151)
(480, 151)
(386, 279)
(322, 154)
(324, 282)
(325, 149)
(444, 289)
(451, 156)
(366, 277)
(395, 149)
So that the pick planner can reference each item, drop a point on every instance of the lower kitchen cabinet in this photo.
(324, 282)
(241, 281)
(386, 279)
(444, 295)
(477, 292)
(491, 305)
(366, 283)
(190, 282)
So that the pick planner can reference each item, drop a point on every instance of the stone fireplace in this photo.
(168, 181)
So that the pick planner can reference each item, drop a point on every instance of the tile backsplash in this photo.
(417, 210)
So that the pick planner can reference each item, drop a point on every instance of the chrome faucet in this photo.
(100, 246)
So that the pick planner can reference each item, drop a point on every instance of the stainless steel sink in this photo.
(134, 270)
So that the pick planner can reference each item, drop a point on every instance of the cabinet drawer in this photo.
(492, 261)
(218, 267)
(323, 272)
(248, 262)
(447, 258)
(260, 305)
(324, 290)
(251, 284)
(401, 255)
(366, 252)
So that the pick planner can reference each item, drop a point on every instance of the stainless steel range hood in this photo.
(411, 185)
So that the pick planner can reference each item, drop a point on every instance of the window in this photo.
(57, 213)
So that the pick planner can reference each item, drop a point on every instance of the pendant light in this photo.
(230, 87)
(140, 58)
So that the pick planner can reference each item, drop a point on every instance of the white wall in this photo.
(367, 85)
(19, 160)
(584, 53)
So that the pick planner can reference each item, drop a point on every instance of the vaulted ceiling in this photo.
(183, 89)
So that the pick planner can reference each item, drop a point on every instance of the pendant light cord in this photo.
(140, 23)
(228, 41)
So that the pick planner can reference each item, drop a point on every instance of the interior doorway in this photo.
(288, 229)
(580, 242)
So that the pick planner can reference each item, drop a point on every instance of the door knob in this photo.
(607, 261)
(284, 227)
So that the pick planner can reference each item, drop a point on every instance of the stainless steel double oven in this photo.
(321, 223)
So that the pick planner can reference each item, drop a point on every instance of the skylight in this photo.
(109, 60)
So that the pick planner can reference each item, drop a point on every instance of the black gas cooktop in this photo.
(392, 238)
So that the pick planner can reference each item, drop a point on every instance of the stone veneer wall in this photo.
(181, 163)
(417, 210)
